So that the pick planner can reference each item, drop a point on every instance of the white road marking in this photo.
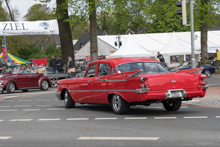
(22, 105)
(56, 109)
(31, 109)
(9, 97)
(77, 118)
(118, 138)
(164, 117)
(42, 100)
(113, 118)
(43, 105)
(184, 107)
(135, 117)
(25, 100)
(21, 120)
(5, 137)
(8, 110)
(217, 117)
(4, 106)
(1, 120)
(195, 117)
(9, 100)
(155, 107)
(49, 119)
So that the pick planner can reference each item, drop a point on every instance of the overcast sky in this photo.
(24, 5)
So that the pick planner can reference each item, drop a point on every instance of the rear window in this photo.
(146, 67)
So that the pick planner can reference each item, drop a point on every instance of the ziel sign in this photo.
(29, 28)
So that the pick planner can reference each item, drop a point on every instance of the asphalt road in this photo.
(38, 119)
(214, 80)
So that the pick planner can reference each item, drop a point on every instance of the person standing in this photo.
(53, 63)
(60, 65)
(71, 67)
(160, 56)
(217, 59)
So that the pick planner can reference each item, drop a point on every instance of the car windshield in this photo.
(186, 64)
(146, 67)
(11, 69)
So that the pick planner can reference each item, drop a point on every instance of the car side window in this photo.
(91, 70)
(112, 71)
(103, 70)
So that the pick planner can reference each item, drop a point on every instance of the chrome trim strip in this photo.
(142, 90)
(102, 90)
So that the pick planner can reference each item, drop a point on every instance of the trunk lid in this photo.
(163, 82)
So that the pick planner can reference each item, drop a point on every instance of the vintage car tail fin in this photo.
(190, 71)
(136, 74)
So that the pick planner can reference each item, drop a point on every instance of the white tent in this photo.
(176, 48)
(130, 49)
(103, 49)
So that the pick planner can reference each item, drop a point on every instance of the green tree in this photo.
(206, 12)
(79, 25)
(162, 17)
(3, 13)
(39, 12)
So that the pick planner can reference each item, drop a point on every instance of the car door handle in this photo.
(89, 81)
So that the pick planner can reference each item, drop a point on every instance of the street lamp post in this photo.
(193, 61)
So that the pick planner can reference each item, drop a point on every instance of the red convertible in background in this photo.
(15, 78)
(122, 82)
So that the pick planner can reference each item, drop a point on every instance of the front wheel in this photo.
(68, 101)
(44, 85)
(207, 72)
(119, 105)
(172, 105)
(10, 87)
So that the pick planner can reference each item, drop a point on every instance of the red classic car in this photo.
(122, 82)
(16, 78)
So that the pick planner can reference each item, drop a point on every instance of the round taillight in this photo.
(143, 79)
(144, 86)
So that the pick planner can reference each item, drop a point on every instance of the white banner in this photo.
(11, 28)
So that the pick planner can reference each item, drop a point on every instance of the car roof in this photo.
(117, 61)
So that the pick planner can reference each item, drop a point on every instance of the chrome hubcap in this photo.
(207, 73)
(65, 98)
(45, 84)
(12, 87)
(116, 102)
(54, 82)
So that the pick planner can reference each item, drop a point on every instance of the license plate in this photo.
(176, 94)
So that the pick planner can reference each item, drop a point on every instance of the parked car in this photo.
(54, 77)
(122, 82)
(207, 69)
(15, 78)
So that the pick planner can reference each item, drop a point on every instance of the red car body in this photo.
(132, 86)
(23, 81)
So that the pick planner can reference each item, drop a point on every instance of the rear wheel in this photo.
(10, 87)
(172, 105)
(119, 105)
(44, 85)
(68, 101)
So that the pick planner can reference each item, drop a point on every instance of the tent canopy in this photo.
(15, 58)
(130, 49)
